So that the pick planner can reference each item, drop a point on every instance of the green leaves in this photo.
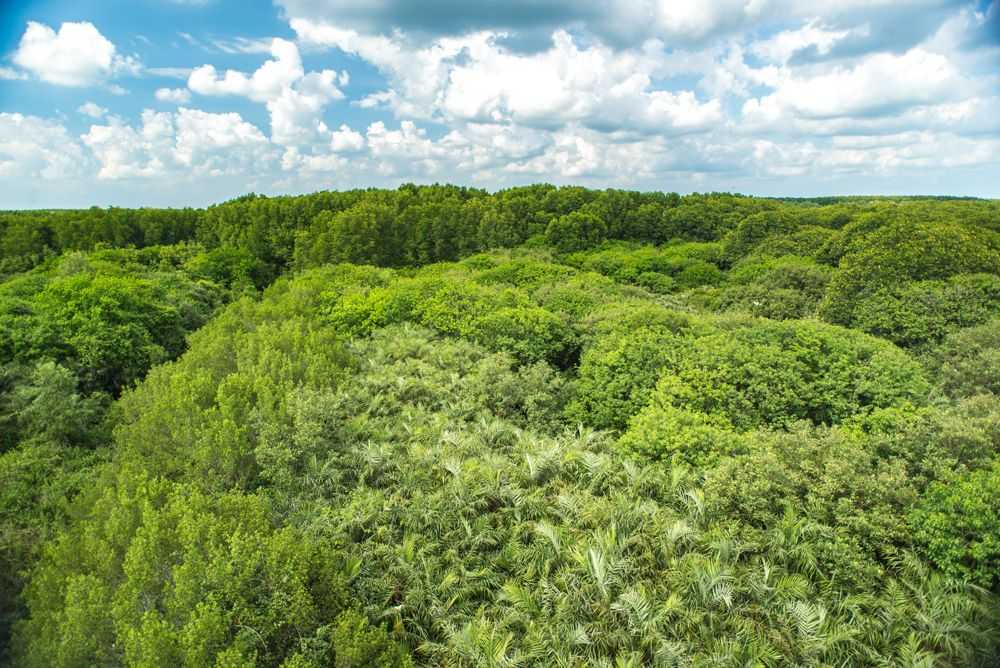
(775, 373)
(575, 231)
(901, 252)
(109, 323)
(196, 578)
(958, 525)
(558, 455)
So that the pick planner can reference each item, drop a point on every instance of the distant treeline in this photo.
(415, 225)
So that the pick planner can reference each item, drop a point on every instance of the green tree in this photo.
(576, 231)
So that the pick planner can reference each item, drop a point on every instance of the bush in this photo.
(532, 334)
(786, 272)
(957, 522)
(698, 273)
(855, 500)
(807, 241)
(198, 579)
(106, 321)
(895, 254)
(617, 374)
(757, 300)
(923, 312)
(663, 432)
(778, 288)
(967, 362)
(755, 229)
(777, 373)
(654, 282)
(234, 268)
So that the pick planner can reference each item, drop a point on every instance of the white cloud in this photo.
(243, 45)
(476, 79)
(77, 55)
(296, 114)
(697, 19)
(9, 74)
(346, 140)
(730, 95)
(619, 24)
(729, 74)
(403, 151)
(880, 84)
(879, 155)
(217, 144)
(295, 100)
(32, 147)
(190, 39)
(266, 83)
(189, 142)
(125, 152)
(173, 95)
(780, 48)
(92, 110)
(170, 72)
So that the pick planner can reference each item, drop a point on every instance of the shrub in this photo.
(898, 253)
(807, 241)
(617, 374)
(957, 522)
(756, 299)
(777, 373)
(663, 432)
(532, 334)
(756, 228)
(699, 273)
(968, 361)
(200, 580)
(924, 312)
(855, 499)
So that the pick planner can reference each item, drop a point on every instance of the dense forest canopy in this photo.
(543, 426)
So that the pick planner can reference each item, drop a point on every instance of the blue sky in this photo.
(188, 102)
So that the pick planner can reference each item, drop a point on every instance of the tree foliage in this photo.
(543, 426)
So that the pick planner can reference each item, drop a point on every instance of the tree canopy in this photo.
(543, 426)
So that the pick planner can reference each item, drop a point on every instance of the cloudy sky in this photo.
(174, 102)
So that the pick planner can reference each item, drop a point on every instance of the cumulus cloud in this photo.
(77, 55)
(264, 84)
(189, 141)
(641, 93)
(173, 95)
(529, 23)
(126, 152)
(217, 144)
(32, 147)
(880, 84)
(477, 79)
(346, 140)
(781, 47)
(295, 100)
(92, 110)
(879, 155)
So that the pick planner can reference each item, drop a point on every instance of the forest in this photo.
(544, 426)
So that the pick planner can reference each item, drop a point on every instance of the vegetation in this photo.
(546, 426)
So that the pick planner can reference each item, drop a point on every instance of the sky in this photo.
(190, 102)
